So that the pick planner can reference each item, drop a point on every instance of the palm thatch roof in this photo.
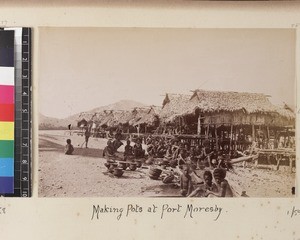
(148, 116)
(286, 112)
(215, 101)
(87, 116)
(137, 114)
(122, 117)
(174, 105)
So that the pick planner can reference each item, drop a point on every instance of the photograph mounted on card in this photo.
(149, 112)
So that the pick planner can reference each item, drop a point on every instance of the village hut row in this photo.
(224, 117)
(140, 119)
(227, 117)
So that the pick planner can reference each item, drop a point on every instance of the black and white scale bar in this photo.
(26, 114)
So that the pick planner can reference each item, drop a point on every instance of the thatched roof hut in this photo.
(216, 101)
(148, 116)
(137, 114)
(88, 116)
(217, 107)
(85, 118)
(106, 118)
(174, 105)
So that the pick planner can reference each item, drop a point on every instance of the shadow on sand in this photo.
(162, 190)
(46, 145)
(88, 152)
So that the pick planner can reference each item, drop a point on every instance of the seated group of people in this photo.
(135, 151)
(219, 188)
(180, 153)
(187, 158)
(112, 147)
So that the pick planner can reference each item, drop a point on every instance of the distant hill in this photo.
(125, 105)
(49, 123)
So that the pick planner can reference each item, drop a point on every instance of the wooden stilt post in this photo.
(180, 125)
(199, 125)
(230, 144)
(216, 136)
(278, 159)
(235, 139)
(207, 131)
(289, 138)
(268, 136)
(291, 163)
(256, 162)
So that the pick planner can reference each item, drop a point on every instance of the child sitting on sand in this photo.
(208, 185)
(186, 185)
(69, 149)
(223, 187)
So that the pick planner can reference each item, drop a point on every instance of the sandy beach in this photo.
(83, 174)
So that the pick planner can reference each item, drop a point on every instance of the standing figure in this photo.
(69, 127)
(87, 135)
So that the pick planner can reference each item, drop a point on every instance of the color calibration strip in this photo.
(7, 111)
(19, 92)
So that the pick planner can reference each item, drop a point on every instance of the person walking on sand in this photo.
(69, 127)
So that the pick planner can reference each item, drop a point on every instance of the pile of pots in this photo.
(154, 173)
(117, 169)
(169, 178)
(114, 168)
(132, 166)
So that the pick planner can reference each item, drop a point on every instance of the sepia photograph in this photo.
(166, 112)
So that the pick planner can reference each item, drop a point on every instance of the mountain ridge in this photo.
(52, 123)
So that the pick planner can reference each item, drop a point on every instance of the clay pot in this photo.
(132, 166)
(169, 178)
(118, 172)
(154, 173)
(138, 163)
(107, 165)
(154, 177)
(123, 165)
(112, 167)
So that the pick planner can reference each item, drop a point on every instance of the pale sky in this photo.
(84, 68)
